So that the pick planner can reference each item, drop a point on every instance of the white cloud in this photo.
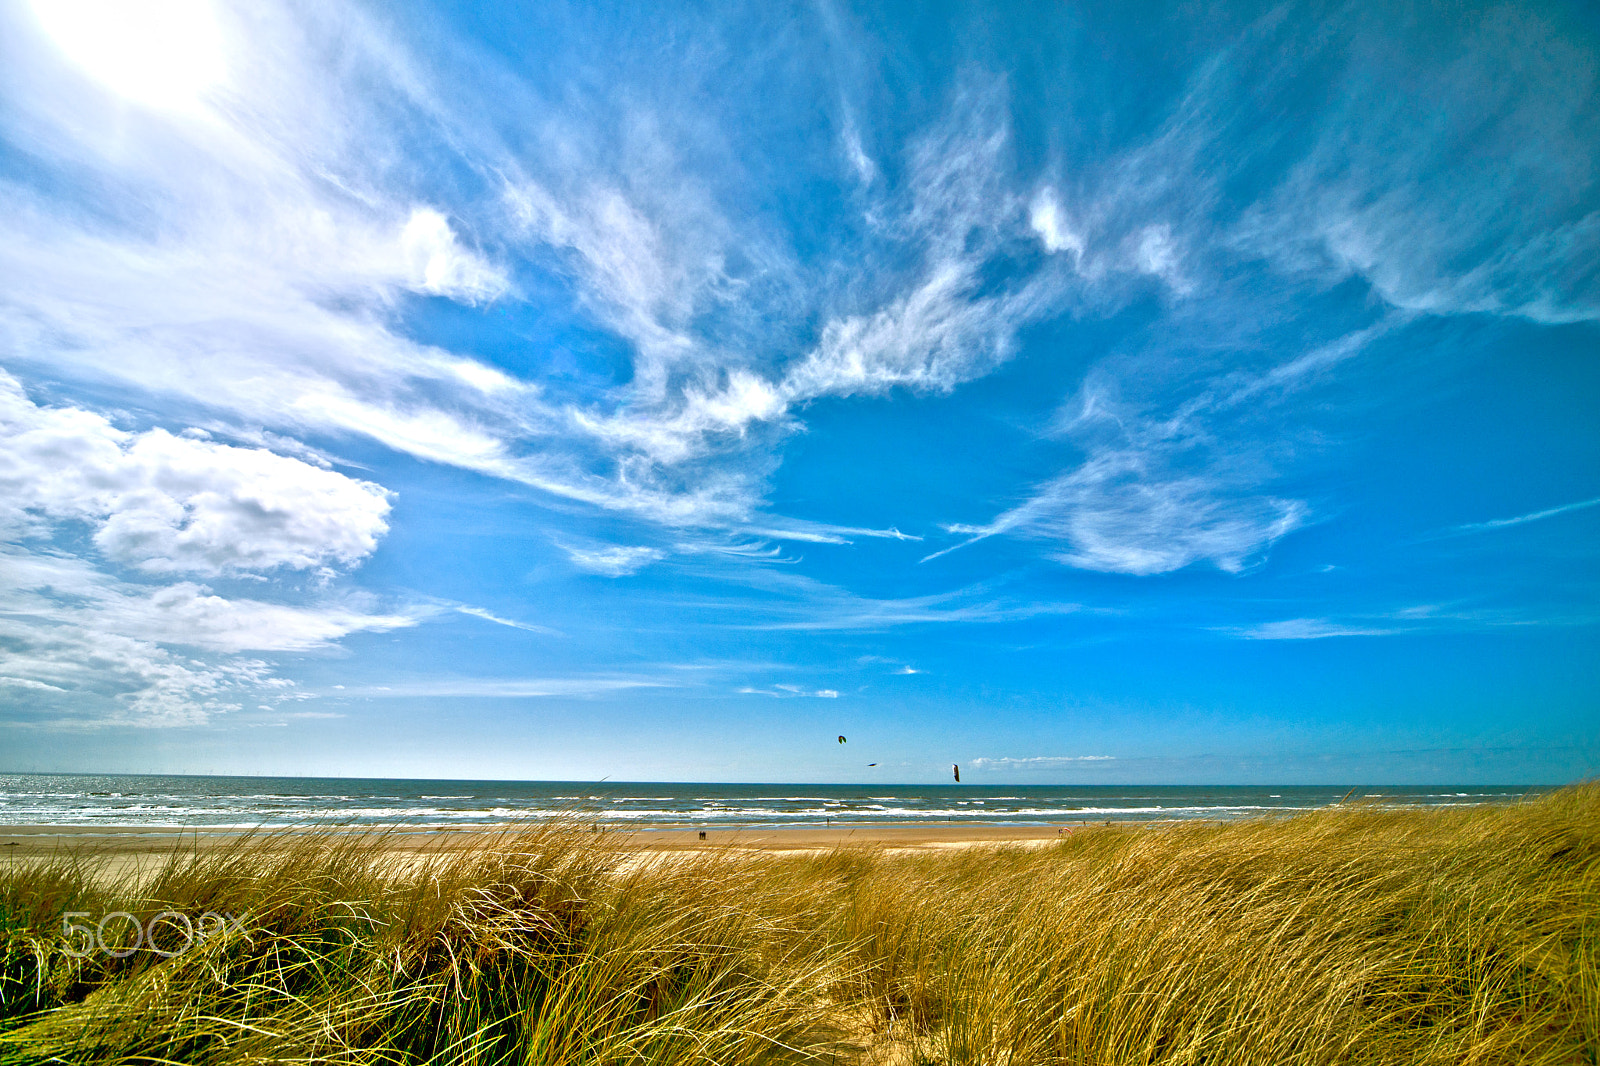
(1523, 519)
(503, 688)
(795, 602)
(934, 338)
(165, 654)
(614, 561)
(54, 588)
(826, 533)
(165, 54)
(691, 435)
(438, 265)
(153, 656)
(167, 504)
(1035, 762)
(1116, 514)
(789, 691)
(28, 683)
(194, 616)
(108, 677)
(1506, 227)
(1156, 254)
(249, 258)
(647, 245)
(1308, 629)
(861, 164)
(1152, 496)
(489, 616)
(265, 283)
(1050, 222)
(257, 255)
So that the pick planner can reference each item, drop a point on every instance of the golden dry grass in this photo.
(1343, 936)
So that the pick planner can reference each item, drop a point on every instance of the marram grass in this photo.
(1348, 935)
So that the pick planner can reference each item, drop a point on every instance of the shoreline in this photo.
(35, 840)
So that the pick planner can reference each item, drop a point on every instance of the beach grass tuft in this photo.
(1348, 935)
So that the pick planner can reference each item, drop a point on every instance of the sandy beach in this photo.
(133, 840)
(124, 850)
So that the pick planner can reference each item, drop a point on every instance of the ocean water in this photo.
(119, 802)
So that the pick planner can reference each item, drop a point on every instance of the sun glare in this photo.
(159, 53)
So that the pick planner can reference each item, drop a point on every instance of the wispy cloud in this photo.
(503, 688)
(816, 607)
(1309, 629)
(1117, 514)
(1035, 762)
(280, 248)
(613, 561)
(1431, 228)
(824, 533)
(1523, 519)
(276, 300)
(488, 616)
(30, 684)
(1421, 618)
(1153, 495)
(789, 691)
(165, 655)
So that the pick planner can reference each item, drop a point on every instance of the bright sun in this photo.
(160, 53)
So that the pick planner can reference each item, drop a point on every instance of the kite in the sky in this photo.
(841, 740)
(957, 769)
(872, 764)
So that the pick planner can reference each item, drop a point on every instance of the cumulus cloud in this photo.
(170, 504)
(94, 647)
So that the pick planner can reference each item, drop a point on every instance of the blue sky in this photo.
(542, 391)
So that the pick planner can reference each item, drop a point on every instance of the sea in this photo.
(121, 803)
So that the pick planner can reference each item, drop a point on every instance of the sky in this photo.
(1079, 392)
